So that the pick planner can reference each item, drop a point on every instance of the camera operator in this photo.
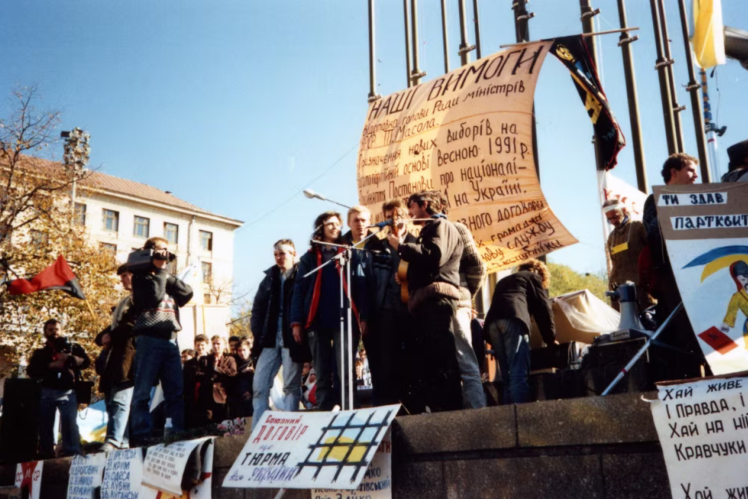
(156, 296)
(57, 365)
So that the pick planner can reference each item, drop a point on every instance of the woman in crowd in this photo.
(221, 371)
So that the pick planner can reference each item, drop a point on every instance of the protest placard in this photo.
(467, 134)
(165, 465)
(705, 228)
(305, 450)
(377, 482)
(123, 474)
(29, 477)
(85, 476)
(702, 428)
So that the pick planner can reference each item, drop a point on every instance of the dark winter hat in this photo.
(122, 269)
(739, 268)
(738, 154)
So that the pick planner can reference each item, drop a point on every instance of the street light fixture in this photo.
(75, 158)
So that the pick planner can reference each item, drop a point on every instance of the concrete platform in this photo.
(579, 448)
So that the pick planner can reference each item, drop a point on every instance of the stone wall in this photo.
(580, 448)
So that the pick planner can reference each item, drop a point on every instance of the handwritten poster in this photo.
(377, 482)
(85, 475)
(307, 450)
(201, 490)
(705, 228)
(467, 134)
(123, 474)
(703, 428)
(29, 477)
(164, 465)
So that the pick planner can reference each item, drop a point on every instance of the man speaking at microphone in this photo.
(434, 289)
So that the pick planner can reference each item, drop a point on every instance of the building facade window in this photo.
(110, 220)
(38, 238)
(171, 233)
(207, 272)
(109, 248)
(141, 227)
(206, 240)
(80, 214)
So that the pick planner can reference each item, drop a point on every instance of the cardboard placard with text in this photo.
(705, 228)
(467, 134)
(310, 450)
(29, 477)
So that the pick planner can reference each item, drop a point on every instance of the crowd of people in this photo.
(417, 326)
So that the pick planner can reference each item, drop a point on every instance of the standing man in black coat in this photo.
(434, 289)
(274, 343)
(515, 299)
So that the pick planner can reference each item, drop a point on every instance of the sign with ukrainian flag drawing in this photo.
(706, 232)
(311, 450)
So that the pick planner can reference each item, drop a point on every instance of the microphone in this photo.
(311, 195)
(380, 225)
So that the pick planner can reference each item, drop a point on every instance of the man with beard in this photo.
(434, 289)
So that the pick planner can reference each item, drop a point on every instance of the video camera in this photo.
(142, 260)
(62, 344)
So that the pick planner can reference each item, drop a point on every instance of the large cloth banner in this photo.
(469, 135)
(702, 428)
(705, 227)
(310, 450)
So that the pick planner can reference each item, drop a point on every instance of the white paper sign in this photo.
(703, 428)
(164, 465)
(305, 450)
(29, 476)
(85, 475)
(377, 482)
(123, 474)
(200, 491)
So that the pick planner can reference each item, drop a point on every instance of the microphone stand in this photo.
(346, 331)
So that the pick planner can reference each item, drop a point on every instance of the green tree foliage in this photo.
(566, 280)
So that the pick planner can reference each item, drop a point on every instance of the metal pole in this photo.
(671, 78)
(667, 109)
(522, 34)
(633, 100)
(693, 89)
(372, 65)
(350, 350)
(416, 74)
(444, 36)
(464, 49)
(406, 16)
(710, 127)
(588, 26)
(477, 29)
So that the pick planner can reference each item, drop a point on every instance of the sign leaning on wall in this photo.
(705, 228)
(467, 134)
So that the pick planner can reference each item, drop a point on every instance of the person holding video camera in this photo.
(58, 364)
(156, 297)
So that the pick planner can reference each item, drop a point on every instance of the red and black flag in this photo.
(573, 52)
(56, 276)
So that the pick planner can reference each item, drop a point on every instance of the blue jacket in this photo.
(322, 289)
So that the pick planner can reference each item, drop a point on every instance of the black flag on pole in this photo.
(573, 52)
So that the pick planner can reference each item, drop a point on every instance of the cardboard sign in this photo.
(703, 428)
(164, 465)
(706, 232)
(85, 476)
(29, 477)
(306, 450)
(467, 134)
(199, 491)
(377, 482)
(123, 474)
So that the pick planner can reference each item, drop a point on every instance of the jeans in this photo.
(511, 342)
(472, 384)
(156, 359)
(117, 402)
(268, 365)
(325, 343)
(66, 402)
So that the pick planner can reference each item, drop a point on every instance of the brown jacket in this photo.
(222, 375)
(625, 262)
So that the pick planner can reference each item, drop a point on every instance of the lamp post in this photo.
(75, 159)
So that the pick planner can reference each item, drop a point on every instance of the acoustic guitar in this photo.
(398, 227)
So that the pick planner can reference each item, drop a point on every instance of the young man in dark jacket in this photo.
(156, 296)
(273, 341)
(58, 364)
(315, 307)
(516, 298)
(115, 367)
(434, 289)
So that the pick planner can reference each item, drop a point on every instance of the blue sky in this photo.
(237, 106)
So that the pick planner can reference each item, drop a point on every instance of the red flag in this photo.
(56, 276)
